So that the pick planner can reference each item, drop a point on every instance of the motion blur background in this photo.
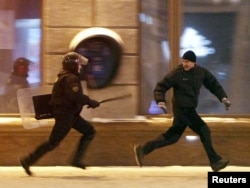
(155, 34)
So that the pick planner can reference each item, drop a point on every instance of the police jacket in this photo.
(67, 92)
(186, 86)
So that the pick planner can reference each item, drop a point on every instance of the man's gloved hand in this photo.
(226, 102)
(163, 106)
(93, 103)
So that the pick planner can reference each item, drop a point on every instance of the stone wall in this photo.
(113, 144)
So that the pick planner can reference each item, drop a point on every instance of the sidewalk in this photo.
(109, 177)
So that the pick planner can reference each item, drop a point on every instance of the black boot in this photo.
(26, 162)
(26, 166)
(80, 152)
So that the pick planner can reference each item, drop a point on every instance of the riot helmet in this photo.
(71, 60)
(21, 67)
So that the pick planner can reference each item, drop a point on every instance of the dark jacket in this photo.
(67, 92)
(186, 86)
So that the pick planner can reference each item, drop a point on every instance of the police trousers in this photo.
(64, 121)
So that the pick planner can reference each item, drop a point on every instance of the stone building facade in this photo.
(62, 20)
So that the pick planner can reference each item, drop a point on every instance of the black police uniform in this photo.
(186, 88)
(67, 100)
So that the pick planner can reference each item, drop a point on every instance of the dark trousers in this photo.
(64, 121)
(184, 117)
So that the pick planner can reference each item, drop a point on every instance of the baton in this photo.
(116, 98)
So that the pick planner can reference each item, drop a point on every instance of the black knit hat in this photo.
(189, 55)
